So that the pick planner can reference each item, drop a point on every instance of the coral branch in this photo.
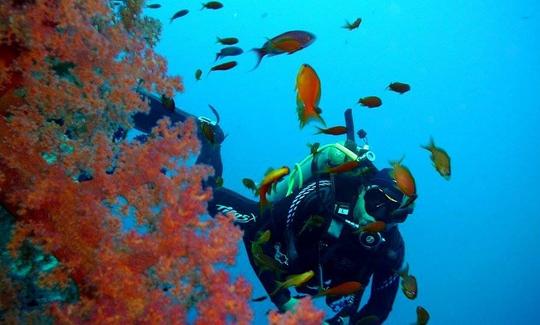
(68, 70)
(305, 313)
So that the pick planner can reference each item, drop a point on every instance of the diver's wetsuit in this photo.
(334, 260)
(295, 247)
(209, 152)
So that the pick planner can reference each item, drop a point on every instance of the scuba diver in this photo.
(339, 227)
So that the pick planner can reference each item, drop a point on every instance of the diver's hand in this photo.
(290, 305)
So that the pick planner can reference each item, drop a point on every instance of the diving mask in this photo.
(381, 203)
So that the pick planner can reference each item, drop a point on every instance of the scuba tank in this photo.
(328, 156)
(313, 168)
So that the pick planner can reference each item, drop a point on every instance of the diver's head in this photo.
(381, 200)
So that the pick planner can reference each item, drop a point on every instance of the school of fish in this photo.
(308, 95)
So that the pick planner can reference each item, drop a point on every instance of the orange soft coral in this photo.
(69, 69)
(305, 313)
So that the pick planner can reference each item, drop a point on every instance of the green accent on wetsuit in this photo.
(327, 156)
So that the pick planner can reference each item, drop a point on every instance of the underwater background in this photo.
(71, 191)
(474, 71)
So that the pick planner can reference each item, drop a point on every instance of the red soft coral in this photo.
(68, 70)
(305, 313)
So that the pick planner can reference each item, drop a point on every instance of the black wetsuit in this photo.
(334, 260)
(296, 248)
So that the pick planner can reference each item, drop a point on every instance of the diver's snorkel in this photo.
(361, 152)
(349, 124)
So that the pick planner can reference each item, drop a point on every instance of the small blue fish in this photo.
(179, 14)
(229, 51)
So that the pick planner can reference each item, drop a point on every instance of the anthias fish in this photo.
(168, 102)
(334, 130)
(308, 94)
(224, 66)
(198, 74)
(313, 221)
(250, 184)
(399, 87)
(345, 167)
(440, 159)
(263, 237)
(377, 226)
(263, 261)
(219, 181)
(208, 132)
(180, 13)
(212, 5)
(229, 51)
(370, 101)
(294, 280)
(409, 286)
(422, 316)
(227, 40)
(353, 25)
(403, 177)
(271, 178)
(342, 289)
(288, 42)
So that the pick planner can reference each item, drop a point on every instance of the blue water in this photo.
(474, 68)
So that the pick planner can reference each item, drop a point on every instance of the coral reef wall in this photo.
(68, 74)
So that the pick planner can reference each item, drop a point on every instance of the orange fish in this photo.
(377, 226)
(370, 101)
(440, 159)
(250, 184)
(179, 14)
(342, 289)
(289, 45)
(198, 74)
(212, 5)
(224, 66)
(404, 179)
(308, 94)
(272, 177)
(168, 102)
(288, 42)
(335, 130)
(409, 286)
(353, 25)
(422, 316)
(208, 132)
(227, 40)
(399, 87)
(345, 167)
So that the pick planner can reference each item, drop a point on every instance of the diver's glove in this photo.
(290, 305)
